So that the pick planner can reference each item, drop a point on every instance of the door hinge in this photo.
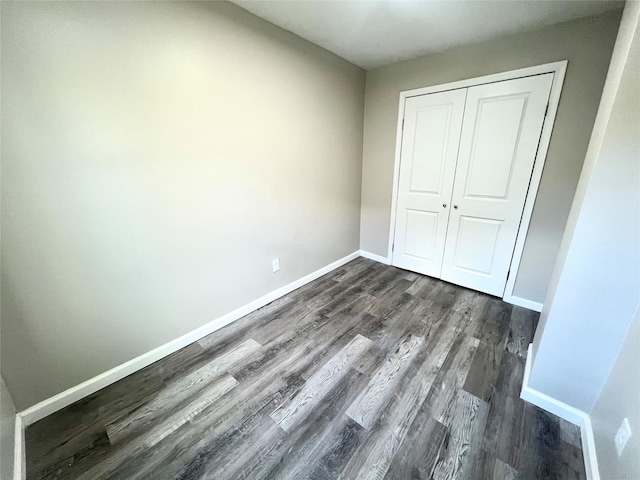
(403, 124)
(546, 110)
(508, 273)
(393, 247)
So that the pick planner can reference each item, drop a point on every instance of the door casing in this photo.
(559, 70)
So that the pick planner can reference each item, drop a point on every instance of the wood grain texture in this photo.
(461, 452)
(521, 328)
(366, 408)
(504, 471)
(570, 433)
(320, 450)
(180, 390)
(505, 425)
(369, 372)
(451, 377)
(374, 457)
(320, 384)
(205, 398)
(419, 450)
(483, 372)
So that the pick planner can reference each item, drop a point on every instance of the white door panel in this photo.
(432, 126)
(477, 239)
(498, 145)
(420, 234)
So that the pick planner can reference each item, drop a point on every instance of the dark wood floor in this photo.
(369, 372)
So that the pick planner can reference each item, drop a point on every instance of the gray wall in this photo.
(7, 431)
(155, 158)
(587, 44)
(619, 399)
(595, 290)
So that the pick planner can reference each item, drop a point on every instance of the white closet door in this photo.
(500, 134)
(432, 126)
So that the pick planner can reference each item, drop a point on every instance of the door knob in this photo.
(444, 205)
(455, 206)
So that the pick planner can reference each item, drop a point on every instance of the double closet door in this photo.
(465, 166)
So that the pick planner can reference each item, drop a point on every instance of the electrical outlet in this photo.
(276, 264)
(623, 436)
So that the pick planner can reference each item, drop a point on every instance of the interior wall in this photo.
(156, 157)
(586, 43)
(7, 431)
(595, 292)
(619, 400)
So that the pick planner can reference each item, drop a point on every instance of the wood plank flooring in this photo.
(369, 372)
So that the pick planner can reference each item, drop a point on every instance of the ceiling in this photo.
(375, 33)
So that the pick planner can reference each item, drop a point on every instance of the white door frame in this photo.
(558, 69)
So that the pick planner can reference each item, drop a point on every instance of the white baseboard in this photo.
(72, 395)
(589, 449)
(19, 459)
(546, 402)
(523, 302)
(568, 413)
(374, 257)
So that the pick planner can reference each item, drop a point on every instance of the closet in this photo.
(466, 161)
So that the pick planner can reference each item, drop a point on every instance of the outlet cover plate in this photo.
(276, 264)
(623, 435)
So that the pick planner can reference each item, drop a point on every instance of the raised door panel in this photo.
(495, 142)
(477, 240)
(431, 135)
(498, 146)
